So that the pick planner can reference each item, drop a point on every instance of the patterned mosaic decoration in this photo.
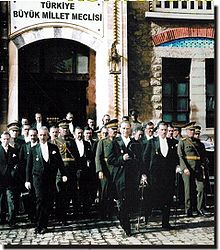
(202, 43)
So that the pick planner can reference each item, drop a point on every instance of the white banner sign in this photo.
(87, 14)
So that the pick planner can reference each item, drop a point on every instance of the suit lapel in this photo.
(121, 143)
(39, 153)
(3, 153)
(157, 144)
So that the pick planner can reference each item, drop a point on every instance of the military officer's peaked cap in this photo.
(63, 123)
(179, 124)
(15, 125)
(125, 118)
(197, 129)
(190, 125)
(112, 123)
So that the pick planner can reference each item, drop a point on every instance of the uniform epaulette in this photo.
(183, 139)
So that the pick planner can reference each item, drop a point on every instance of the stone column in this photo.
(13, 83)
(198, 91)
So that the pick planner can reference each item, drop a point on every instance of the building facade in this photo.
(98, 57)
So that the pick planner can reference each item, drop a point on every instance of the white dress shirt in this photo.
(33, 144)
(163, 146)
(80, 146)
(5, 148)
(38, 125)
(45, 151)
(71, 128)
(126, 140)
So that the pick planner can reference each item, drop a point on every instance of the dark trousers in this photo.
(44, 200)
(123, 211)
(7, 198)
(61, 201)
(29, 202)
(84, 181)
(107, 197)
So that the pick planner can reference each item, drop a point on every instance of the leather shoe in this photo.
(189, 214)
(167, 227)
(146, 220)
(128, 232)
(37, 230)
(43, 231)
(201, 213)
(11, 223)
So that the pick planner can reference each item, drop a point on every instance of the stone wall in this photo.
(144, 65)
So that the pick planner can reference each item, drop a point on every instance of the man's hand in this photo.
(28, 185)
(64, 178)
(126, 157)
(143, 179)
(101, 175)
(186, 171)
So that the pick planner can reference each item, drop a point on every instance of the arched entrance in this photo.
(53, 79)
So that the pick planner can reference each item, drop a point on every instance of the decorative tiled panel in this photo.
(190, 43)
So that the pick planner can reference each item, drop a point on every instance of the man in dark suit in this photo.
(83, 162)
(28, 199)
(125, 156)
(42, 165)
(8, 171)
(39, 121)
(160, 160)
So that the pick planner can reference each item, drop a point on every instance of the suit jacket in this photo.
(160, 169)
(44, 123)
(8, 167)
(18, 143)
(23, 155)
(126, 174)
(44, 174)
(84, 161)
(103, 150)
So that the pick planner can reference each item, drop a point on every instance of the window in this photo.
(158, 4)
(184, 4)
(167, 4)
(175, 97)
(54, 57)
(192, 5)
(208, 5)
(200, 5)
(210, 93)
(175, 4)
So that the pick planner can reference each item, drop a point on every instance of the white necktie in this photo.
(44, 150)
(163, 147)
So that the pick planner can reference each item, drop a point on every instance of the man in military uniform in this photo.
(65, 191)
(16, 142)
(192, 161)
(104, 170)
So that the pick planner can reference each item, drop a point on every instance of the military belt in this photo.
(68, 159)
(192, 157)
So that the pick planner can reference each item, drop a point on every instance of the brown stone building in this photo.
(97, 57)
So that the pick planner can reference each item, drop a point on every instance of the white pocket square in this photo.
(14, 155)
(54, 152)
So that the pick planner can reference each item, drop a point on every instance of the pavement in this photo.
(92, 232)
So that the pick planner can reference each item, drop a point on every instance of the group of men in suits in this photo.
(62, 167)
(152, 158)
